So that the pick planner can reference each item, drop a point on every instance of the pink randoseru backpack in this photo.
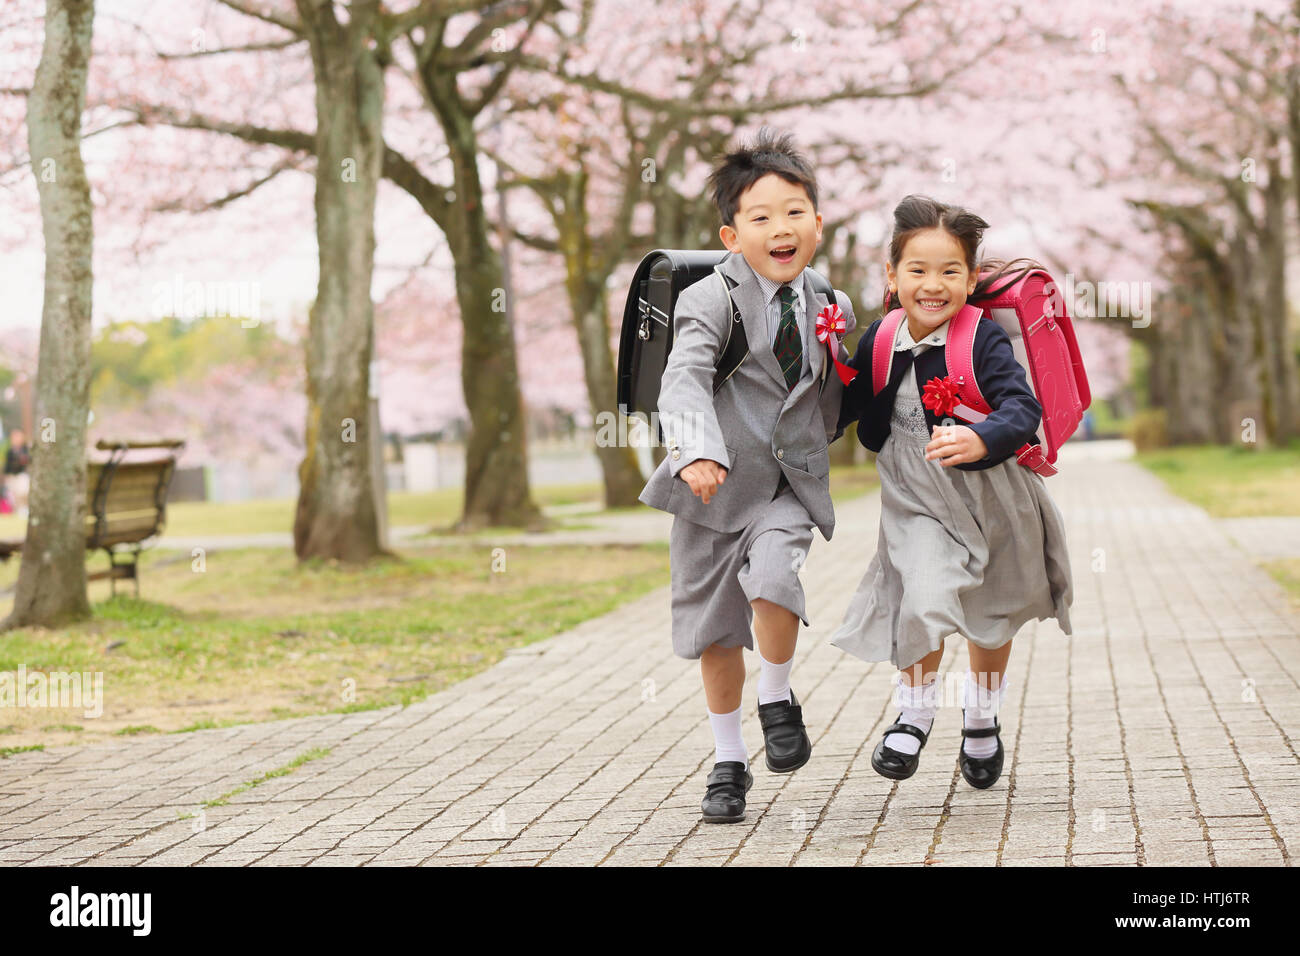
(1031, 311)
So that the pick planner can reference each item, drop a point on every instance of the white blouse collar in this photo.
(903, 339)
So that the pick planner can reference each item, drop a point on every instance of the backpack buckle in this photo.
(1032, 457)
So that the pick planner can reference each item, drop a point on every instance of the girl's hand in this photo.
(955, 445)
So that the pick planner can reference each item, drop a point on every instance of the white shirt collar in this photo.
(769, 287)
(903, 339)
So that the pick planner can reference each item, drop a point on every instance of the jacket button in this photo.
(780, 453)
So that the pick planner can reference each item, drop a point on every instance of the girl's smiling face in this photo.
(932, 280)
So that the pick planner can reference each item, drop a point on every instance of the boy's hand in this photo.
(955, 445)
(703, 476)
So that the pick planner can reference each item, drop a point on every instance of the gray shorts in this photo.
(715, 575)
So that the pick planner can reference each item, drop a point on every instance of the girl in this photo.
(970, 542)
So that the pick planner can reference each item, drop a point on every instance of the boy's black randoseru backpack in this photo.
(647, 335)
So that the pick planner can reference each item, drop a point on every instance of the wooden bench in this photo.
(126, 504)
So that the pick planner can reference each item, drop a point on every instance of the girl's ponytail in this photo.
(999, 274)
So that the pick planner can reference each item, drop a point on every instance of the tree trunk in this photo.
(847, 271)
(1157, 364)
(51, 587)
(1174, 372)
(587, 302)
(496, 459)
(1211, 288)
(1279, 353)
(1237, 386)
(336, 504)
(618, 463)
(1189, 419)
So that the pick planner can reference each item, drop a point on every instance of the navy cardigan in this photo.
(1016, 413)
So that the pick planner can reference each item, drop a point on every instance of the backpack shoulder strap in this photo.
(736, 348)
(882, 350)
(959, 356)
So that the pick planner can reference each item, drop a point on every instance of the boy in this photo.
(746, 474)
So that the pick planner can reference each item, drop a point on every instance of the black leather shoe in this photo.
(895, 764)
(981, 772)
(785, 741)
(724, 795)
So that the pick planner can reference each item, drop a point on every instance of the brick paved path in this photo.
(1161, 733)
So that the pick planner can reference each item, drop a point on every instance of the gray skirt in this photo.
(972, 552)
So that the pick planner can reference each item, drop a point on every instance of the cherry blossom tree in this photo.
(613, 130)
(51, 587)
(1203, 91)
(438, 46)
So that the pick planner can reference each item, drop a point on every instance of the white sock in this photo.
(981, 710)
(918, 705)
(773, 680)
(727, 740)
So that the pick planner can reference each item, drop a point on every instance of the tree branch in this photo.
(178, 205)
(396, 168)
(734, 109)
(396, 24)
(241, 6)
(250, 48)
(466, 52)
(431, 196)
(148, 115)
(536, 242)
(1233, 189)
(494, 85)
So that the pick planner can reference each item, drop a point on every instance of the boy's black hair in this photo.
(746, 165)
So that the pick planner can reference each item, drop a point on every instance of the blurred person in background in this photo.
(16, 477)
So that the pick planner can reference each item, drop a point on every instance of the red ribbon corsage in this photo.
(830, 322)
(940, 396)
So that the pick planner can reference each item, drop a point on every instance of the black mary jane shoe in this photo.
(786, 746)
(895, 764)
(981, 772)
(724, 795)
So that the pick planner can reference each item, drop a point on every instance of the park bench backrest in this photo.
(126, 502)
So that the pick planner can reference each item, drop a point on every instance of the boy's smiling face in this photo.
(777, 230)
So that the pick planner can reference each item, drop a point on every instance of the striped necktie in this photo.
(788, 347)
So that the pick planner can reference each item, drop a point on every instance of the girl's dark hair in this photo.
(919, 213)
(746, 165)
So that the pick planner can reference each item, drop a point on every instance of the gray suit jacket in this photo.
(755, 428)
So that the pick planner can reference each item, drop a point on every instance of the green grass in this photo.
(296, 762)
(851, 481)
(10, 751)
(1232, 481)
(252, 635)
(257, 637)
(1104, 421)
(434, 509)
(1287, 573)
(204, 725)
